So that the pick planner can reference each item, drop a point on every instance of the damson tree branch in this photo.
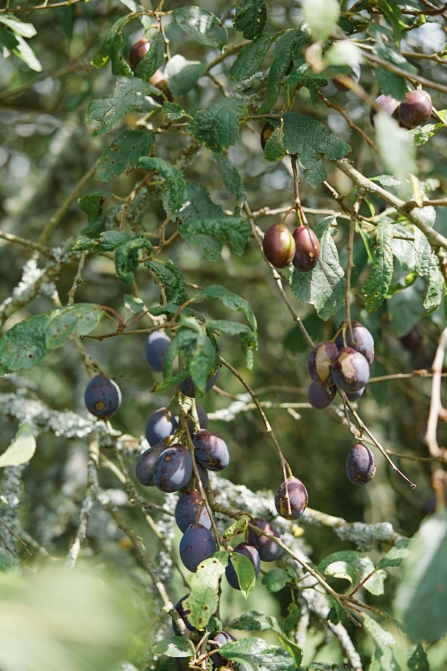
(436, 408)
(386, 65)
(350, 123)
(9, 237)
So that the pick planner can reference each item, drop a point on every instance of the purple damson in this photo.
(252, 554)
(197, 544)
(102, 397)
(389, 105)
(173, 469)
(293, 490)
(307, 249)
(160, 424)
(156, 346)
(320, 397)
(361, 340)
(184, 615)
(222, 638)
(416, 109)
(191, 509)
(360, 464)
(279, 246)
(268, 549)
(320, 361)
(188, 388)
(350, 370)
(144, 469)
(211, 451)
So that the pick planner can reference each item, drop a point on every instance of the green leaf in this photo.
(230, 300)
(245, 572)
(77, 320)
(359, 562)
(435, 289)
(7, 39)
(231, 178)
(292, 618)
(417, 659)
(110, 48)
(292, 648)
(236, 528)
(203, 599)
(396, 555)
(341, 570)
(175, 646)
(390, 83)
(202, 26)
(383, 658)
(325, 285)
(322, 17)
(173, 178)
(214, 625)
(276, 579)
(199, 205)
(217, 126)
(201, 363)
(211, 235)
(422, 134)
(274, 147)
(93, 203)
(250, 18)
(17, 26)
(396, 149)
(124, 153)
(281, 60)
(422, 593)
(110, 240)
(393, 14)
(127, 260)
(322, 666)
(255, 620)
(172, 281)
(172, 111)
(375, 287)
(134, 305)
(24, 344)
(306, 137)
(145, 20)
(257, 655)
(152, 59)
(251, 57)
(248, 340)
(21, 449)
(183, 75)
(24, 51)
(335, 613)
(405, 308)
(110, 109)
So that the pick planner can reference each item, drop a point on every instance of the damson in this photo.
(307, 249)
(297, 494)
(320, 397)
(416, 109)
(320, 361)
(173, 469)
(102, 397)
(184, 615)
(252, 554)
(360, 464)
(203, 475)
(197, 544)
(156, 346)
(389, 104)
(137, 52)
(202, 417)
(188, 388)
(191, 509)
(222, 638)
(211, 451)
(363, 340)
(266, 132)
(350, 370)
(268, 549)
(279, 246)
(159, 80)
(355, 77)
(355, 395)
(160, 424)
(144, 470)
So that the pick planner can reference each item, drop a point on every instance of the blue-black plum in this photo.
(320, 397)
(156, 346)
(252, 554)
(173, 469)
(355, 395)
(191, 509)
(102, 397)
(320, 362)
(268, 549)
(211, 451)
(297, 494)
(203, 475)
(360, 464)
(160, 424)
(350, 370)
(203, 419)
(144, 469)
(222, 638)
(188, 388)
(197, 544)
(363, 340)
(183, 612)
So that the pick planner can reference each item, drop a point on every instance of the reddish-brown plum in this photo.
(266, 132)
(320, 361)
(388, 104)
(137, 52)
(268, 549)
(297, 495)
(307, 249)
(416, 109)
(279, 246)
(360, 464)
(320, 397)
(350, 370)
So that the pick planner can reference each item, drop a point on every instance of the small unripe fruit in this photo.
(102, 397)
(252, 554)
(360, 464)
(350, 370)
(388, 104)
(279, 246)
(268, 549)
(416, 109)
(320, 397)
(298, 498)
(363, 340)
(137, 52)
(355, 78)
(320, 361)
(307, 249)
(266, 132)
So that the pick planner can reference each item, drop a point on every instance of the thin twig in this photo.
(9, 237)
(350, 123)
(436, 408)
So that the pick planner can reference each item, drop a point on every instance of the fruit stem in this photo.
(296, 192)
